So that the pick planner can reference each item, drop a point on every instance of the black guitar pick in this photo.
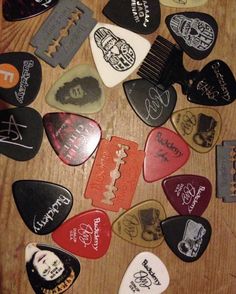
(21, 133)
(141, 17)
(215, 85)
(195, 32)
(50, 269)
(43, 206)
(20, 78)
(152, 105)
(187, 236)
(22, 9)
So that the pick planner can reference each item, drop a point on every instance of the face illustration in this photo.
(48, 265)
(151, 224)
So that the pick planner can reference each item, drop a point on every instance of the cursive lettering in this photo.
(151, 272)
(141, 278)
(170, 145)
(44, 2)
(208, 90)
(188, 122)
(131, 223)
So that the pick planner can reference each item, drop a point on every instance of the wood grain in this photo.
(215, 271)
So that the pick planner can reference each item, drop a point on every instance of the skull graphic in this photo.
(116, 51)
(195, 32)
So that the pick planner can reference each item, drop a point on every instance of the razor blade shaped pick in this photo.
(115, 174)
(63, 33)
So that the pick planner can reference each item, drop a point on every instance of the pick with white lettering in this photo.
(188, 194)
(142, 17)
(23, 9)
(20, 78)
(50, 269)
(87, 234)
(146, 274)
(43, 206)
(151, 104)
(187, 236)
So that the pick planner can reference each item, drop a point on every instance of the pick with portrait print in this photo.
(73, 137)
(87, 234)
(187, 236)
(183, 3)
(151, 104)
(140, 225)
(188, 194)
(43, 206)
(146, 274)
(50, 269)
(165, 152)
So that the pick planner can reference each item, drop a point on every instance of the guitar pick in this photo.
(146, 274)
(151, 104)
(22, 9)
(43, 206)
(183, 3)
(195, 32)
(87, 234)
(140, 225)
(20, 78)
(21, 133)
(188, 194)
(79, 90)
(165, 152)
(50, 269)
(200, 127)
(214, 86)
(142, 17)
(187, 236)
(74, 138)
(117, 52)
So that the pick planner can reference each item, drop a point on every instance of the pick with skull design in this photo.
(195, 32)
(117, 52)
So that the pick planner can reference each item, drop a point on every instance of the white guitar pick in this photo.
(117, 52)
(146, 274)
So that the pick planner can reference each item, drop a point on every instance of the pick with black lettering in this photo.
(43, 206)
(142, 17)
(215, 85)
(23, 9)
(50, 269)
(187, 236)
(195, 32)
(73, 137)
(20, 78)
(21, 133)
(151, 104)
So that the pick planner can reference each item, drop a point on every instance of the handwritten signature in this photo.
(141, 278)
(85, 232)
(131, 223)
(188, 122)
(44, 4)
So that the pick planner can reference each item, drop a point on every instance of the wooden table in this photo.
(215, 271)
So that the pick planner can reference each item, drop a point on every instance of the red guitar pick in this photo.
(188, 194)
(87, 234)
(165, 153)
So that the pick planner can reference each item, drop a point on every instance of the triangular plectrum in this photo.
(50, 269)
(43, 206)
(142, 17)
(87, 234)
(22, 9)
(79, 90)
(188, 194)
(152, 105)
(183, 3)
(146, 274)
(21, 133)
(20, 78)
(187, 236)
(117, 52)
(74, 138)
(140, 225)
(195, 32)
(200, 127)
(215, 85)
(165, 152)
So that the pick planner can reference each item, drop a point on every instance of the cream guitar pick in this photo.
(146, 274)
(183, 3)
(199, 126)
(79, 90)
(117, 52)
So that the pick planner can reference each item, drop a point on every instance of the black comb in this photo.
(163, 66)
